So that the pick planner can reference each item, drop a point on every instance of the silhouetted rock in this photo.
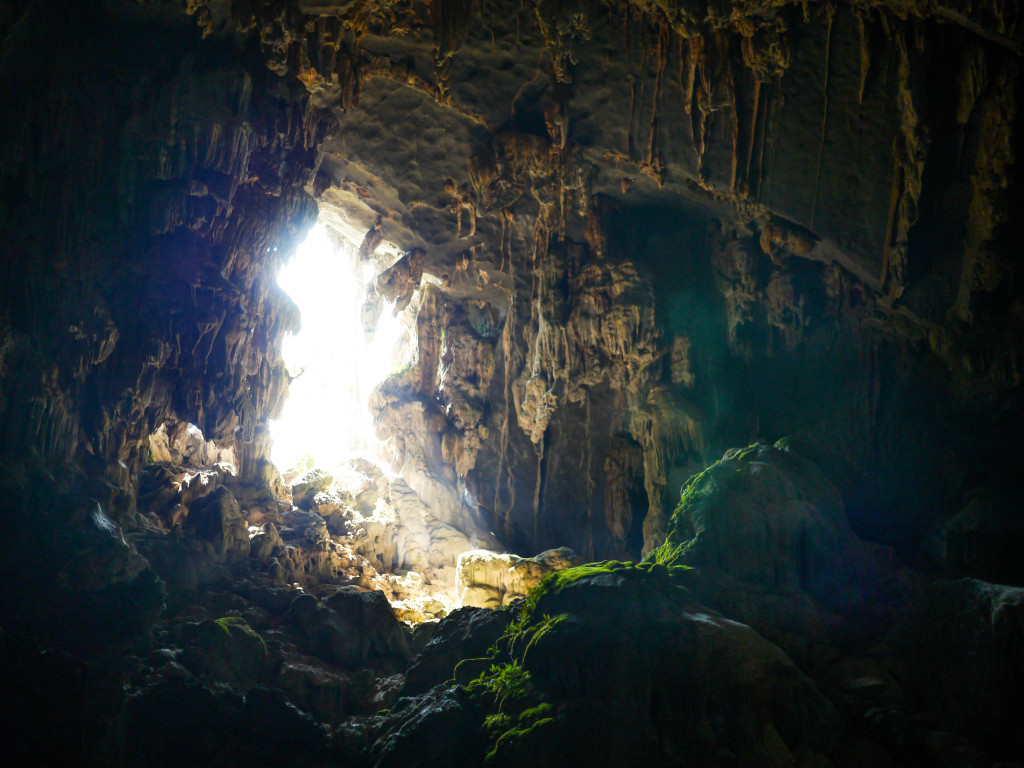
(217, 519)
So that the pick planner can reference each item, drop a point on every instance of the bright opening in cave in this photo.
(333, 362)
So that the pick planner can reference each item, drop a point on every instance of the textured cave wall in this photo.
(675, 227)
(151, 188)
(632, 235)
(646, 232)
(152, 182)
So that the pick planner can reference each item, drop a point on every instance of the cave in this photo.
(689, 335)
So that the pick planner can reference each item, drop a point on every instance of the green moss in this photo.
(746, 454)
(677, 543)
(668, 554)
(558, 580)
(235, 627)
(530, 722)
(506, 683)
(498, 723)
(536, 713)
(694, 490)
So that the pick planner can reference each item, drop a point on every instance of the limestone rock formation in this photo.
(615, 627)
(492, 580)
(768, 535)
(217, 519)
(306, 487)
(622, 237)
(227, 650)
(182, 444)
(960, 644)
(980, 539)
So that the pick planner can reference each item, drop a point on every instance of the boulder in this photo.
(353, 630)
(197, 485)
(768, 533)
(315, 687)
(182, 722)
(327, 504)
(490, 580)
(300, 521)
(183, 444)
(440, 729)
(264, 542)
(712, 691)
(228, 650)
(960, 643)
(613, 665)
(384, 640)
(308, 486)
(415, 610)
(982, 540)
(217, 519)
(465, 633)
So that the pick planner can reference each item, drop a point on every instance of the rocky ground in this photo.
(762, 633)
(627, 236)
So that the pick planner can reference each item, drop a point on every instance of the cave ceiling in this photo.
(625, 238)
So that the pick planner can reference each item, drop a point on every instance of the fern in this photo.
(504, 682)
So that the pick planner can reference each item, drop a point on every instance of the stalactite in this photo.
(865, 53)
(734, 124)
(830, 16)
(537, 488)
(909, 153)
(450, 20)
(651, 163)
(665, 427)
(993, 112)
(586, 459)
(508, 335)
(755, 121)
(694, 54)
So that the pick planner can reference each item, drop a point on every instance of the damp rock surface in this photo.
(624, 236)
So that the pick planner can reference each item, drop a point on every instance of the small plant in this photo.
(518, 711)
(509, 682)
(507, 675)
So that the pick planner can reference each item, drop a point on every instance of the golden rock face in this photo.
(625, 236)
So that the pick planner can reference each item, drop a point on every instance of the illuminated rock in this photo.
(492, 580)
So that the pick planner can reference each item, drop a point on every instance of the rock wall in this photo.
(628, 235)
(635, 234)
(673, 229)
(142, 228)
(152, 182)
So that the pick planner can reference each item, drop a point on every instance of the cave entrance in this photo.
(333, 360)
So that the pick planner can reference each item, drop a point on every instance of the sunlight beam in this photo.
(325, 420)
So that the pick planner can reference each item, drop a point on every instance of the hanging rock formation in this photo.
(625, 237)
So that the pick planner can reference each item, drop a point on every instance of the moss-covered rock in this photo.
(228, 650)
(769, 535)
(614, 664)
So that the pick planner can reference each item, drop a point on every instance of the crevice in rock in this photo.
(625, 238)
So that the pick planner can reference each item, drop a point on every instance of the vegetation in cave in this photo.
(701, 445)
